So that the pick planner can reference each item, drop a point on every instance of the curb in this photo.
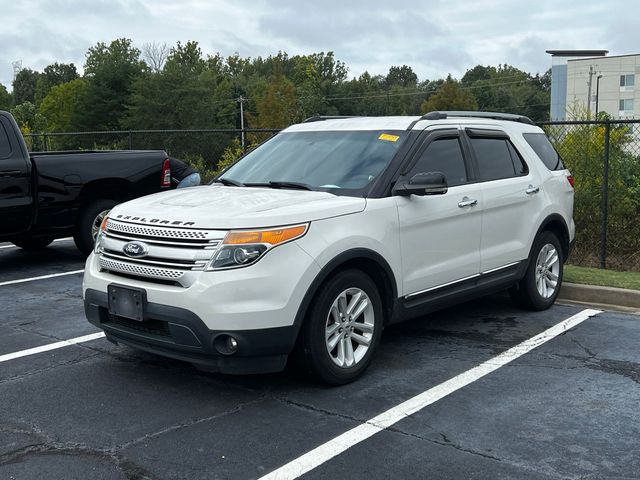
(593, 294)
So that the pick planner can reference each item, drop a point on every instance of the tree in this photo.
(24, 86)
(60, 107)
(508, 89)
(30, 121)
(277, 107)
(403, 76)
(155, 55)
(111, 71)
(5, 98)
(52, 75)
(450, 96)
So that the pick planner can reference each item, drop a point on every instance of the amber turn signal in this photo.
(273, 236)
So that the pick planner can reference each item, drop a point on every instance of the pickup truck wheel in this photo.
(33, 243)
(541, 284)
(343, 328)
(89, 223)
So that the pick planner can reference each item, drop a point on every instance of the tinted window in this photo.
(493, 157)
(325, 160)
(543, 148)
(443, 155)
(5, 146)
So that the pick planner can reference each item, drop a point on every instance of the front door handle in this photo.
(467, 202)
(531, 190)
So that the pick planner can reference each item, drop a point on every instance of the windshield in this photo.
(320, 160)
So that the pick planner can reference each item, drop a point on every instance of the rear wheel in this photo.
(343, 328)
(89, 223)
(541, 284)
(33, 244)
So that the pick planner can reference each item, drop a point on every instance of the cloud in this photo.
(434, 37)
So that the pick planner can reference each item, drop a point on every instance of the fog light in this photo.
(225, 344)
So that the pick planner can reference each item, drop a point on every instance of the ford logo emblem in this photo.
(135, 249)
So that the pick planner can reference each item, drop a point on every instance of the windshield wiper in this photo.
(227, 182)
(275, 184)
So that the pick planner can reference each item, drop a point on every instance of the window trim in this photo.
(496, 135)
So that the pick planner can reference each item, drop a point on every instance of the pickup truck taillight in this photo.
(165, 179)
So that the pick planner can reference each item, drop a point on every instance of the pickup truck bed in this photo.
(49, 195)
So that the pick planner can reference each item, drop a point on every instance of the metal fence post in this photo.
(130, 140)
(604, 215)
(45, 141)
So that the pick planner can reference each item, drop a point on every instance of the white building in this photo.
(588, 80)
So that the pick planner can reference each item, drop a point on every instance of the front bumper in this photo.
(180, 334)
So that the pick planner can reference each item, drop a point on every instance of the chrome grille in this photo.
(140, 270)
(174, 254)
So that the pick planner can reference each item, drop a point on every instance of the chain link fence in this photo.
(603, 156)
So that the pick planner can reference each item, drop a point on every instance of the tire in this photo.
(362, 331)
(542, 281)
(85, 228)
(33, 244)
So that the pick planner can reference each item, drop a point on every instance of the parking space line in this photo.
(51, 346)
(340, 444)
(41, 277)
(14, 246)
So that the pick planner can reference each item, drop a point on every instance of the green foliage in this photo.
(112, 71)
(507, 89)
(582, 150)
(61, 109)
(54, 74)
(30, 121)
(450, 97)
(6, 100)
(230, 155)
(24, 86)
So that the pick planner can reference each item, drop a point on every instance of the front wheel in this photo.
(89, 223)
(541, 284)
(343, 328)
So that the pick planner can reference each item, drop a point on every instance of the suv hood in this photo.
(222, 208)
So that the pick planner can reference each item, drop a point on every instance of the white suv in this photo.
(332, 229)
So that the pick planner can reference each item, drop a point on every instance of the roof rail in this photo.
(437, 115)
(320, 118)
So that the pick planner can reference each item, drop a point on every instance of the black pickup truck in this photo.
(50, 195)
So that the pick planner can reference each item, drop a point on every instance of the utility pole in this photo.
(241, 100)
(589, 89)
(597, 93)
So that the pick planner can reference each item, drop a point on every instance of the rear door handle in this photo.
(467, 202)
(531, 190)
(10, 173)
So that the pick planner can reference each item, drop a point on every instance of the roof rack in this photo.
(437, 115)
(320, 118)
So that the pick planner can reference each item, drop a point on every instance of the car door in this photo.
(440, 234)
(15, 184)
(512, 199)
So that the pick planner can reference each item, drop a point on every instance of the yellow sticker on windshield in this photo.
(388, 138)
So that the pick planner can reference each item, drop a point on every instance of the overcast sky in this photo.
(434, 37)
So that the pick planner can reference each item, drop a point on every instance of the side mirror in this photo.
(432, 183)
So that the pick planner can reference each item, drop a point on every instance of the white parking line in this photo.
(338, 445)
(56, 240)
(51, 346)
(41, 277)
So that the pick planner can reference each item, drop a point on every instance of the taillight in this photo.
(165, 179)
(570, 179)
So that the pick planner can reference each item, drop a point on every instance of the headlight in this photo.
(241, 248)
(97, 245)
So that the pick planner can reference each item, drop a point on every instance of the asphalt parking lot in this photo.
(569, 408)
